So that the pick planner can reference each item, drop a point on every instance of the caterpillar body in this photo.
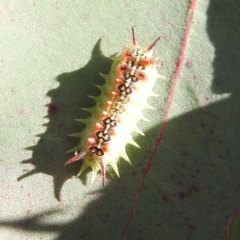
(118, 108)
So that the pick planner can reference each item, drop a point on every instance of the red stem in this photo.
(165, 120)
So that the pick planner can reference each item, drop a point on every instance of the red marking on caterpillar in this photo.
(118, 108)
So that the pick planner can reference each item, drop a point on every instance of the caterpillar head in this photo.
(142, 52)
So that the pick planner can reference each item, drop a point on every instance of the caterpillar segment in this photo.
(118, 109)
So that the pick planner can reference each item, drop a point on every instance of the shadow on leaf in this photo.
(49, 154)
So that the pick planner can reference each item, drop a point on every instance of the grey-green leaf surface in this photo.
(50, 58)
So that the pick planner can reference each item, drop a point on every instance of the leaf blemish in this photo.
(52, 109)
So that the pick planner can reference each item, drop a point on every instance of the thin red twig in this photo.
(165, 120)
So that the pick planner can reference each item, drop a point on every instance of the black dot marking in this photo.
(110, 121)
(107, 120)
(140, 54)
(96, 150)
(134, 79)
(113, 123)
(126, 76)
(99, 134)
(128, 90)
(130, 63)
(137, 53)
(107, 137)
(123, 89)
(100, 152)
(104, 136)
(93, 149)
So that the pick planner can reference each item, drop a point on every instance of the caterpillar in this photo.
(118, 108)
